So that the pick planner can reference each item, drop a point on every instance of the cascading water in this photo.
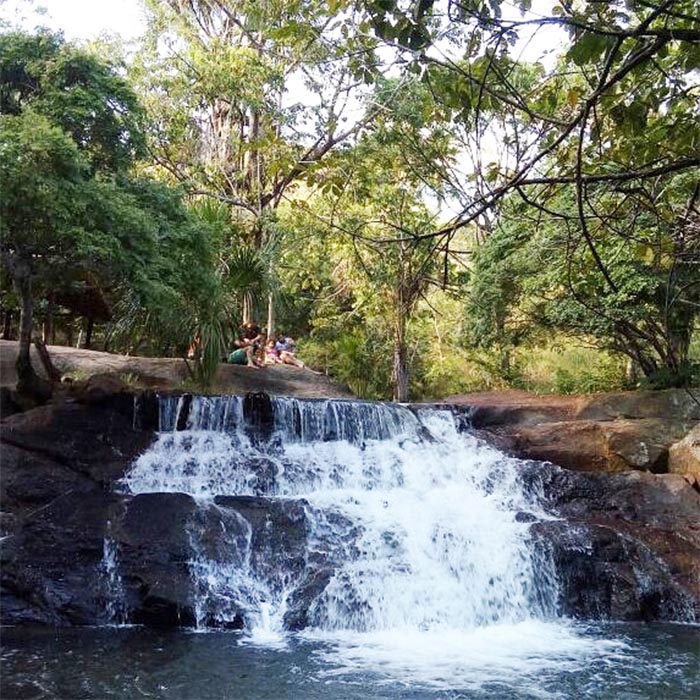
(359, 551)
(415, 535)
(115, 611)
(424, 517)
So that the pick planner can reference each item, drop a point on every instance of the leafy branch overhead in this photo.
(630, 71)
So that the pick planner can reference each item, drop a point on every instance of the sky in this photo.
(78, 19)
(88, 19)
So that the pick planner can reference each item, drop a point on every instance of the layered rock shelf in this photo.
(625, 545)
(610, 432)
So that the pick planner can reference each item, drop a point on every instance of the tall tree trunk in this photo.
(254, 179)
(88, 333)
(48, 330)
(247, 308)
(28, 382)
(23, 286)
(7, 325)
(270, 316)
(51, 372)
(400, 368)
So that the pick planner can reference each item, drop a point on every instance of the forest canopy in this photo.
(412, 189)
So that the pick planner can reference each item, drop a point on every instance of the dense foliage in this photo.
(393, 182)
(81, 229)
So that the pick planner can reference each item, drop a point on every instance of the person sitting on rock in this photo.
(271, 354)
(285, 351)
(252, 335)
(247, 345)
(243, 356)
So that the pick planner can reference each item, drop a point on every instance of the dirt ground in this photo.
(170, 373)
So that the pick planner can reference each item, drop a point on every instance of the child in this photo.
(271, 356)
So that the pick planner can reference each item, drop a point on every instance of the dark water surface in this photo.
(636, 662)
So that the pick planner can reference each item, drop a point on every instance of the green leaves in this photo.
(589, 47)
(41, 178)
(73, 206)
(76, 91)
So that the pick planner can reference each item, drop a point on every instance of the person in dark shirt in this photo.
(247, 345)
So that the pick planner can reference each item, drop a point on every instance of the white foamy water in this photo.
(515, 655)
(434, 578)
(114, 588)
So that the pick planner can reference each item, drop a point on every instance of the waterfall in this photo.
(306, 420)
(406, 521)
(115, 605)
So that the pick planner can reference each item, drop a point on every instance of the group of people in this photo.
(249, 349)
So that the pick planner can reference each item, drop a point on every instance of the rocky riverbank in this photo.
(171, 373)
(612, 432)
(625, 545)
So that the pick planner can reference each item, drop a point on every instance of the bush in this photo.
(569, 370)
(355, 358)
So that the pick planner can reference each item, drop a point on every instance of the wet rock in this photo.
(628, 544)
(177, 562)
(310, 588)
(605, 574)
(184, 412)
(96, 438)
(154, 538)
(52, 561)
(259, 414)
(146, 411)
(278, 541)
(265, 471)
(9, 404)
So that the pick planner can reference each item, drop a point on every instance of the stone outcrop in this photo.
(627, 546)
(77, 550)
(604, 432)
(168, 374)
(684, 457)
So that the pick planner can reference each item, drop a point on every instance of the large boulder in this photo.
(684, 457)
(627, 546)
(680, 405)
(59, 464)
(604, 432)
(93, 434)
(52, 562)
(161, 559)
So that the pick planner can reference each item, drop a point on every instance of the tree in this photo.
(371, 199)
(72, 207)
(248, 97)
(76, 92)
(593, 148)
(40, 174)
(533, 274)
(625, 61)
